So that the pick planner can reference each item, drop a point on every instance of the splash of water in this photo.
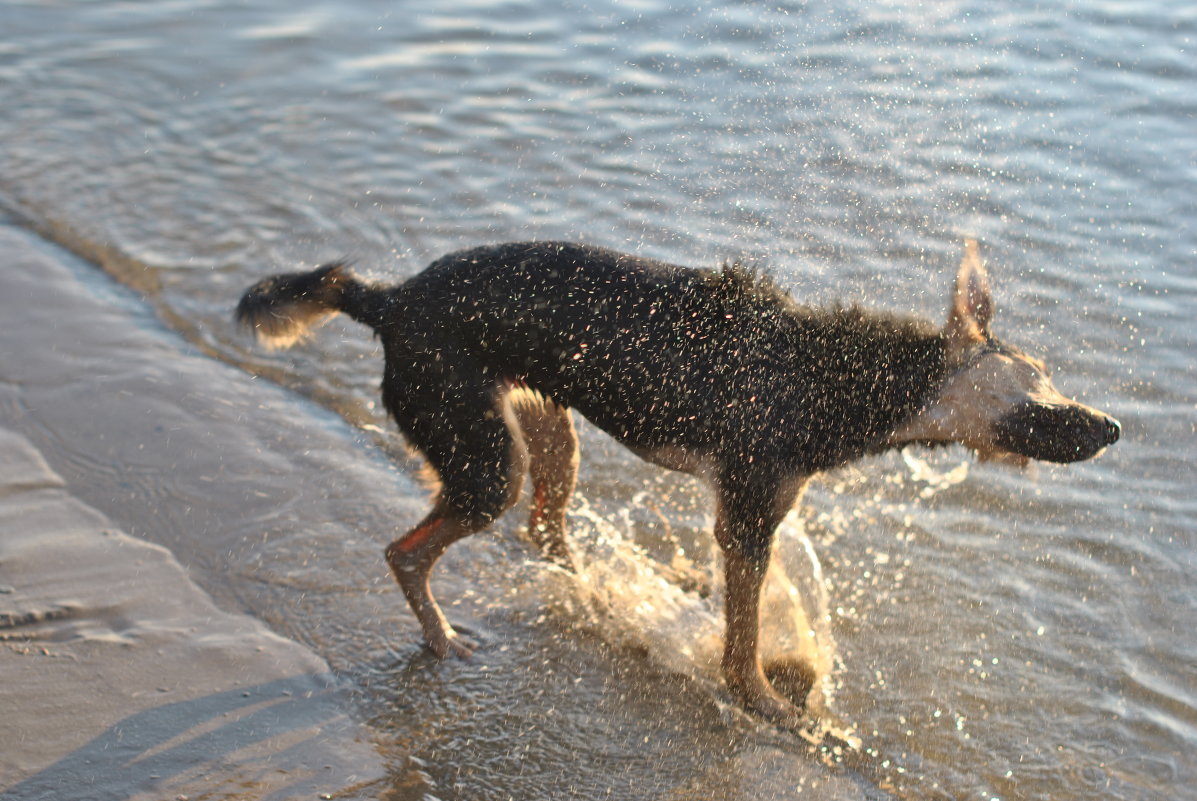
(674, 613)
(934, 478)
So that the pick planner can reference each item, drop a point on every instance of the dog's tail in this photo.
(283, 309)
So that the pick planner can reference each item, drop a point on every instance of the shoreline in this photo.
(124, 679)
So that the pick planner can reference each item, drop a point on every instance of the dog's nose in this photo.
(1113, 430)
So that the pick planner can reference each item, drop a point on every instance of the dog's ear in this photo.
(972, 306)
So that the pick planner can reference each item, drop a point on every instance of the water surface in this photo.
(993, 634)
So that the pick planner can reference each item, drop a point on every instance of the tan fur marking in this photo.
(971, 310)
(280, 331)
(552, 445)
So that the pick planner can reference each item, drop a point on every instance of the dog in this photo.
(713, 372)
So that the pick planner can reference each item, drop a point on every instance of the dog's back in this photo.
(664, 356)
(644, 349)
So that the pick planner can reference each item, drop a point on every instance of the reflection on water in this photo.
(993, 634)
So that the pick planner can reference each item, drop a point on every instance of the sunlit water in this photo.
(986, 633)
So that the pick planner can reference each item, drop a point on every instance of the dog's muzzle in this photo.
(1056, 433)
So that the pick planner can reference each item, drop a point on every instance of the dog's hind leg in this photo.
(553, 466)
(411, 558)
(474, 445)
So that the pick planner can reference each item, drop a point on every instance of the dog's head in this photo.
(998, 400)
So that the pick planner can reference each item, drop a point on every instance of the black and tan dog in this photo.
(715, 373)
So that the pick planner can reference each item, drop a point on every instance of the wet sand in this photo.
(121, 677)
(123, 680)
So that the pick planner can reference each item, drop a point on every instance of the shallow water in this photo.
(995, 634)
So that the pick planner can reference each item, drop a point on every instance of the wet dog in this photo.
(717, 373)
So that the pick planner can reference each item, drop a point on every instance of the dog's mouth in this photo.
(1055, 433)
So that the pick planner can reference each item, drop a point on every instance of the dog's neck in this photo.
(866, 376)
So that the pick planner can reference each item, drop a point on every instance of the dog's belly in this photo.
(674, 457)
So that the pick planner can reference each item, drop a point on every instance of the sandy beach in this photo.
(123, 680)
(122, 677)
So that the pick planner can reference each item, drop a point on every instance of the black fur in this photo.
(720, 363)
(1055, 433)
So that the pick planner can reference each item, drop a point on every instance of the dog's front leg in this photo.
(744, 529)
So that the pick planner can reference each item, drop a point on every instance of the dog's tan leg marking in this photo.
(411, 558)
(552, 447)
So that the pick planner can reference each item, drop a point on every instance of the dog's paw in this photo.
(765, 702)
(779, 711)
(454, 645)
(793, 678)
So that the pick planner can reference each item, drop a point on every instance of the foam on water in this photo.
(933, 478)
